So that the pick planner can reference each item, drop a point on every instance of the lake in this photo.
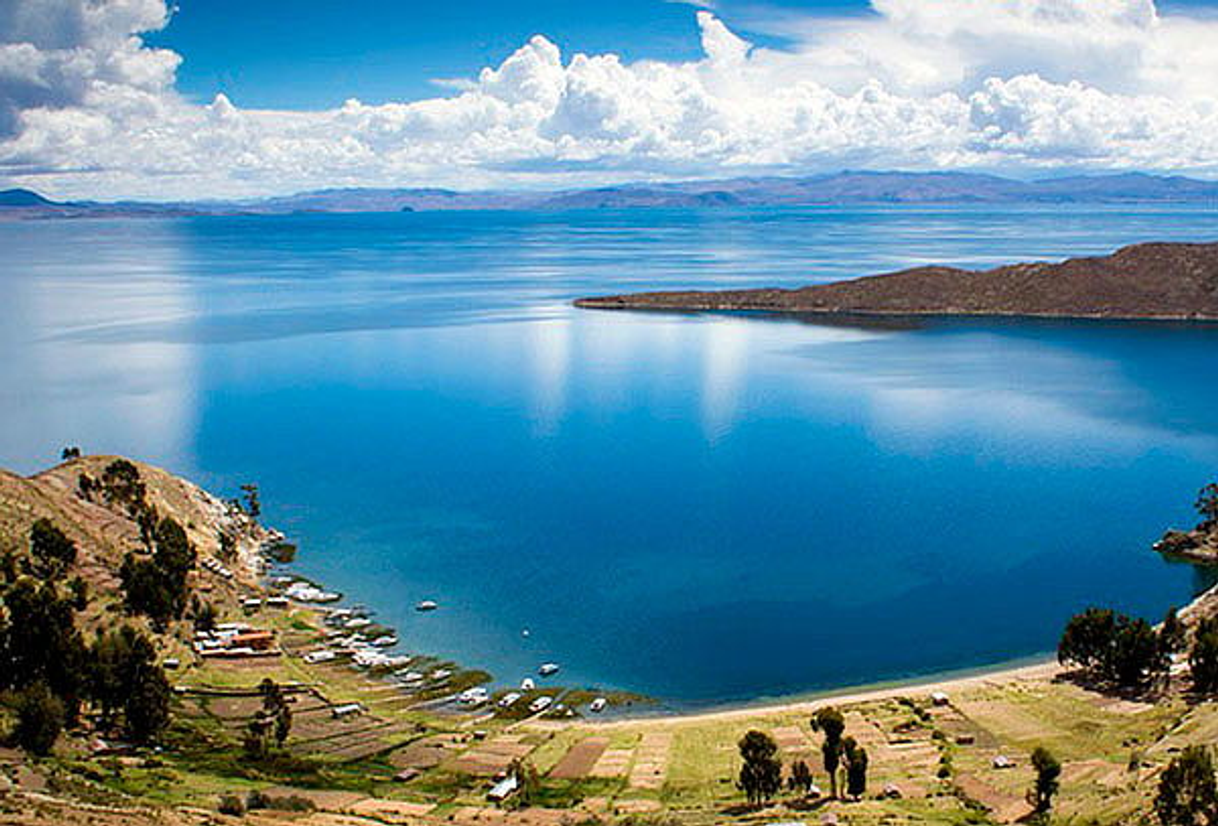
(704, 508)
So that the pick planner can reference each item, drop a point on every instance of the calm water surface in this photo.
(703, 508)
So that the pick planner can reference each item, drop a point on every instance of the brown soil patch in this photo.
(1006, 808)
(491, 758)
(426, 753)
(391, 811)
(1102, 772)
(580, 759)
(651, 760)
(333, 801)
(613, 763)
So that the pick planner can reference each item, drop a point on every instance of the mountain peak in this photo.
(22, 198)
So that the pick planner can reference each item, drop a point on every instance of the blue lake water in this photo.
(704, 508)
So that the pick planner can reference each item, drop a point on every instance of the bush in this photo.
(1203, 659)
(40, 718)
(230, 804)
(1187, 793)
(52, 553)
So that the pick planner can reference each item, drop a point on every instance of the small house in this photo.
(504, 789)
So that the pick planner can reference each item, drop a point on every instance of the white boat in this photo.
(427, 605)
(387, 641)
(547, 669)
(527, 684)
(358, 622)
(598, 705)
(540, 704)
(441, 674)
(315, 657)
(508, 700)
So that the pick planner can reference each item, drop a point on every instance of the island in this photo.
(1151, 281)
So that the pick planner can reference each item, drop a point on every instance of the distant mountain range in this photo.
(843, 188)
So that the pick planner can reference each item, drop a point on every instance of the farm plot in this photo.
(491, 758)
(651, 760)
(580, 759)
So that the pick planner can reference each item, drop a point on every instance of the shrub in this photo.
(52, 553)
(1187, 792)
(230, 804)
(40, 718)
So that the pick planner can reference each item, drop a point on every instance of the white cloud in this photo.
(86, 109)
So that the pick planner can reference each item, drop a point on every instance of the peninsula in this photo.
(1153, 281)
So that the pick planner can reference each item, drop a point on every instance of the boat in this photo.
(548, 669)
(509, 699)
(427, 605)
(598, 705)
(540, 704)
(527, 684)
(386, 641)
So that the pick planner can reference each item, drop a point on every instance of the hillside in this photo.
(369, 747)
(1145, 281)
(104, 533)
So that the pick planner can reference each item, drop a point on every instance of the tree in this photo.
(801, 777)
(761, 771)
(830, 722)
(1136, 654)
(69, 453)
(855, 757)
(1086, 638)
(1188, 795)
(41, 643)
(1172, 634)
(119, 659)
(275, 708)
(252, 506)
(1203, 659)
(40, 719)
(157, 587)
(121, 484)
(1207, 504)
(1114, 647)
(1048, 770)
(146, 710)
(51, 552)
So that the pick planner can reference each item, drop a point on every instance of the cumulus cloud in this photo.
(87, 109)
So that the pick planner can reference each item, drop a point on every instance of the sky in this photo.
(231, 98)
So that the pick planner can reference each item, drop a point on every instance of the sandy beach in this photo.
(1046, 670)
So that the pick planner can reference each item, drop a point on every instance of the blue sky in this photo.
(318, 53)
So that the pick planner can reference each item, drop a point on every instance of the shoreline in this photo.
(825, 314)
(945, 681)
